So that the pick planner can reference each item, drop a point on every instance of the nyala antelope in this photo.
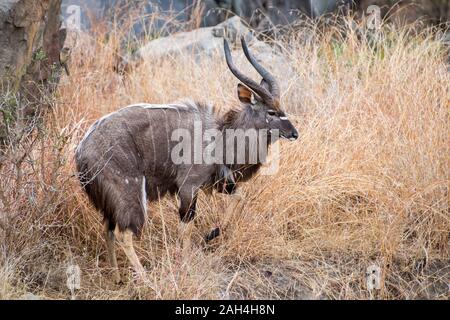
(124, 159)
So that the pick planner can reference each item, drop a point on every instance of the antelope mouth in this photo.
(283, 136)
(288, 138)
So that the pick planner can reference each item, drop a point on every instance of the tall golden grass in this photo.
(366, 184)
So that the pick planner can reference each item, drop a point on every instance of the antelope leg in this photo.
(236, 200)
(126, 241)
(212, 235)
(110, 239)
(185, 231)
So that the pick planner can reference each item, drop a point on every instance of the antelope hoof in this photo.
(212, 235)
(237, 195)
(117, 280)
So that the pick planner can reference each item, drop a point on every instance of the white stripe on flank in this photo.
(160, 106)
(142, 104)
(144, 196)
(283, 118)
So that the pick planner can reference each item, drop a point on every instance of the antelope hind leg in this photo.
(110, 246)
(187, 211)
(126, 241)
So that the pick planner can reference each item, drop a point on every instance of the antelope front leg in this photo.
(187, 211)
(235, 200)
(188, 204)
(125, 239)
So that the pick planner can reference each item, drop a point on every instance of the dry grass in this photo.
(367, 182)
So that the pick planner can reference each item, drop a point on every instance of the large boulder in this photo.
(208, 41)
(202, 41)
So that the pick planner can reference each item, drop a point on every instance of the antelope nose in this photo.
(294, 135)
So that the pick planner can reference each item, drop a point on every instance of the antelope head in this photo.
(262, 98)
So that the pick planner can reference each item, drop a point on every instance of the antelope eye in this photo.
(271, 113)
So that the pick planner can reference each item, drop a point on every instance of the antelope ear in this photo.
(245, 94)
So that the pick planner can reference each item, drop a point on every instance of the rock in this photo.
(279, 12)
(26, 27)
(30, 42)
(209, 42)
(200, 41)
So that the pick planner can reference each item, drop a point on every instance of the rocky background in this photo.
(32, 33)
(256, 12)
